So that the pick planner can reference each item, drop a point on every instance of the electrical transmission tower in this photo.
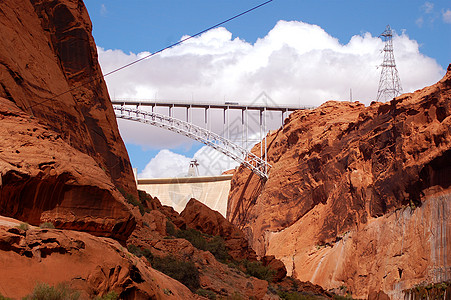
(389, 83)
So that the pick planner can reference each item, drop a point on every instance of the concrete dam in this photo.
(213, 191)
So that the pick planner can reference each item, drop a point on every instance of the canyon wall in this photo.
(62, 158)
(357, 198)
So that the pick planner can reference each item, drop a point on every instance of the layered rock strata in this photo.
(357, 196)
(61, 153)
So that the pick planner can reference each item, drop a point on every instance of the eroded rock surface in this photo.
(200, 217)
(374, 178)
(61, 155)
(94, 266)
(152, 233)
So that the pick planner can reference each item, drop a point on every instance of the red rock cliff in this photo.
(61, 153)
(357, 196)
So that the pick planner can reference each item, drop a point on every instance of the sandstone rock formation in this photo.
(151, 233)
(91, 265)
(277, 265)
(198, 216)
(61, 153)
(357, 197)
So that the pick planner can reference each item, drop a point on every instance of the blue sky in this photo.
(141, 26)
(148, 25)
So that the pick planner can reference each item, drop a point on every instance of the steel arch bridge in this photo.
(205, 136)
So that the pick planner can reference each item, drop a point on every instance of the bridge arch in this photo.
(205, 136)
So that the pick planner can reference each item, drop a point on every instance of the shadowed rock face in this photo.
(61, 153)
(344, 170)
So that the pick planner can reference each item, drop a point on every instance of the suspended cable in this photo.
(188, 38)
(155, 53)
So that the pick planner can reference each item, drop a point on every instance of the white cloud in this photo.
(446, 14)
(295, 63)
(168, 164)
(427, 7)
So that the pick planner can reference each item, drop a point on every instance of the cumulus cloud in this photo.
(167, 164)
(294, 64)
(446, 14)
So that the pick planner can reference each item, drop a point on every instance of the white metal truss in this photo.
(389, 83)
(207, 137)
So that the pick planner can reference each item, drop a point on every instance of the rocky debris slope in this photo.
(216, 249)
(156, 232)
(61, 155)
(93, 266)
(357, 197)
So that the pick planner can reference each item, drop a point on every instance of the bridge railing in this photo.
(205, 136)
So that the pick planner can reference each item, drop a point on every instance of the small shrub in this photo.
(43, 291)
(132, 200)
(185, 272)
(170, 228)
(134, 250)
(112, 295)
(206, 293)
(122, 191)
(24, 226)
(294, 283)
(147, 254)
(143, 196)
(217, 247)
(296, 296)
(140, 252)
(256, 269)
(194, 236)
(347, 297)
(47, 225)
(4, 298)
(429, 291)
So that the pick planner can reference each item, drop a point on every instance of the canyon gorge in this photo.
(357, 202)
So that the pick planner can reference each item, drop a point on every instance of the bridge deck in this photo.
(189, 104)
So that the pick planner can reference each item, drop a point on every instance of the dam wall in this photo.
(213, 191)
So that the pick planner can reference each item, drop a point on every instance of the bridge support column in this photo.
(265, 133)
(228, 123)
(247, 128)
(242, 130)
(261, 133)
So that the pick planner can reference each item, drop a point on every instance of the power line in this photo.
(155, 53)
